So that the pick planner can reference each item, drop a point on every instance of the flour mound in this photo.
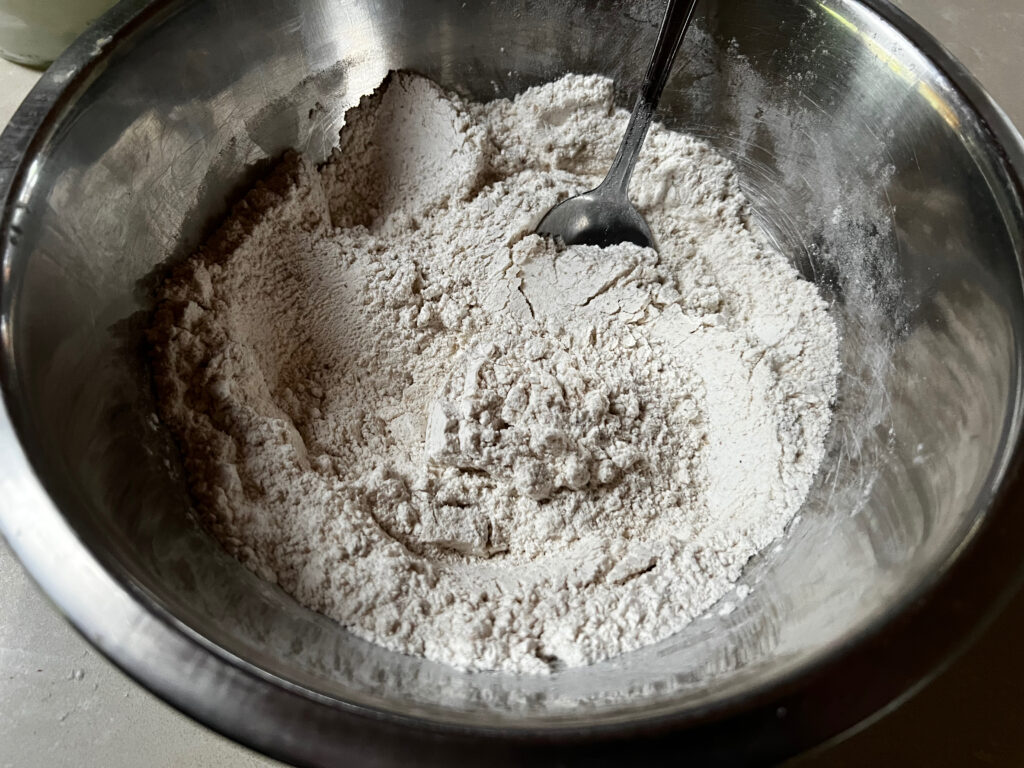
(465, 442)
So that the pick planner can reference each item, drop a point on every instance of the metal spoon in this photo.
(604, 216)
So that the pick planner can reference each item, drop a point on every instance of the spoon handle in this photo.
(678, 15)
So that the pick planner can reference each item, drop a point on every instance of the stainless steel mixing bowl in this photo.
(872, 158)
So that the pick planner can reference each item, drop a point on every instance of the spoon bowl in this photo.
(596, 218)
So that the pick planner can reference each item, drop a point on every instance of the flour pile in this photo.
(465, 442)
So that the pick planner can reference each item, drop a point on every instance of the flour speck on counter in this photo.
(464, 441)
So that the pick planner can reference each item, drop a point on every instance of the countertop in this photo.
(62, 704)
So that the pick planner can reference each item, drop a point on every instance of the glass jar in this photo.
(35, 32)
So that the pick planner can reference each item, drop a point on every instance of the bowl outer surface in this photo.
(758, 719)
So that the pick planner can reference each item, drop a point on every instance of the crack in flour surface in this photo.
(465, 442)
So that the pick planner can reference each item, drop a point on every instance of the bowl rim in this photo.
(877, 668)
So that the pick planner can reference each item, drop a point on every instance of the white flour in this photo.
(464, 442)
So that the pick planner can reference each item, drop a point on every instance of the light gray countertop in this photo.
(62, 704)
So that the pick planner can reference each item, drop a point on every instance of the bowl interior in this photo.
(863, 163)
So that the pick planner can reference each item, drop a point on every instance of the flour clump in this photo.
(464, 441)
